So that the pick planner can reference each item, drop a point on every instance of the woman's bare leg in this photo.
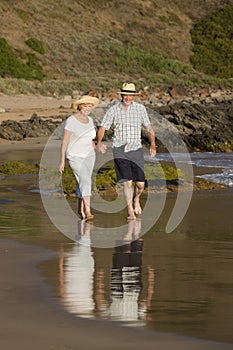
(81, 211)
(87, 206)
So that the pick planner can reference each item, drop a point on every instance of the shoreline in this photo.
(31, 319)
(27, 144)
(33, 147)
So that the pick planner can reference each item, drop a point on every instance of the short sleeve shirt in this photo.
(80, 143)
(127, 124)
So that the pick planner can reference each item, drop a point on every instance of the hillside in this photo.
(85, 41)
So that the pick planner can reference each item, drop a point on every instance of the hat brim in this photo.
(86, 100)
(128, 93)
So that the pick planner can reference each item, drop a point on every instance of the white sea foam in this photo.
(223, 161)
(226, 177)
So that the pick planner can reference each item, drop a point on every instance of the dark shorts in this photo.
(129, 165)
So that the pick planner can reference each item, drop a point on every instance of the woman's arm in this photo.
(65, 141)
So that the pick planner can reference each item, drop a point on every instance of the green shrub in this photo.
(213, 44)
(130, 58)
(17, 64)
(18, 168)
(35, 45)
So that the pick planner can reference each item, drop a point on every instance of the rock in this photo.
(215, 94)
(76, 94)
(12, 130)
(177, 91)
(67, 98)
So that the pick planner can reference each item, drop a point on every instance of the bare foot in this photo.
(82, 215)
(137, 208)
(131, 216)
(89, 216)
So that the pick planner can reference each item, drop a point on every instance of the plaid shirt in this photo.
(127, 124)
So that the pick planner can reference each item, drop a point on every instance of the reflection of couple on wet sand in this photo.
(83, 284)
(128, 118)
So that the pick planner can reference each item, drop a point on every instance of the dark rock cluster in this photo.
(33, 127)
(203, 127)
(202, 123)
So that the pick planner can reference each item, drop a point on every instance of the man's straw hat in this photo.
(86, 100)
(128, 89)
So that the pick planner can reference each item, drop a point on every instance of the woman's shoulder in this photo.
(71, 117)
(69, 120)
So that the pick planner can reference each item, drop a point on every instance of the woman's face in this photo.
(85, 107)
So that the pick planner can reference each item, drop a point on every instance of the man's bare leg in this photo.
(139, 187)
(128, 192)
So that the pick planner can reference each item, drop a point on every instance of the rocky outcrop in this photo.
(202, 126)
(34, 127)
(203, 120)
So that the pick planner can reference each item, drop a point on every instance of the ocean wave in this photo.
(226, 177)
(223, 161)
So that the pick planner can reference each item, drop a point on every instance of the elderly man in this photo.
(128, 117)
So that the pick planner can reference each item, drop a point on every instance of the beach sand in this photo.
(30, 318)
(22, 107)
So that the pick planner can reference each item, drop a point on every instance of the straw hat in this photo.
(86, 100)
(128, 89)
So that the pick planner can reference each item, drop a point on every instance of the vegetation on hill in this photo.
(213, 44)
(78, 44)
(18, 64)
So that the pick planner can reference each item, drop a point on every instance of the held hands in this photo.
(102, 148)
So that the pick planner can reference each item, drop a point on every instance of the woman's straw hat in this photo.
(128, 89)
(86, 100)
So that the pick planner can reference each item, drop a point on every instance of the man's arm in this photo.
(100, 135)
(151, 136)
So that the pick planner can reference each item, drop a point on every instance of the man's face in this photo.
(127, 99)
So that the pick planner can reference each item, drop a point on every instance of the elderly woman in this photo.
(78, 147)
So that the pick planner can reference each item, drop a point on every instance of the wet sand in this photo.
(30, 319)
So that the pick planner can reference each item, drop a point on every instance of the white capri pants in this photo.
(82, 169)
